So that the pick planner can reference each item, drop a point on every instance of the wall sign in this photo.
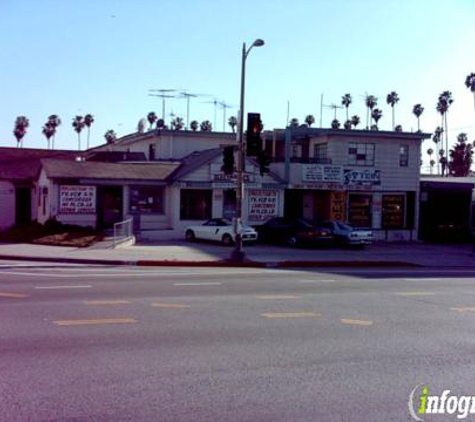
(322, 173)
(362, 177)
(262, 205)
(76, 199)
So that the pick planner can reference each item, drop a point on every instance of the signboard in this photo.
(262, 205)
(362, 177)
(322, 173)
(75, 199)
(338, 206)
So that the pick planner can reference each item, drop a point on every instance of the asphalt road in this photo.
(227, 344)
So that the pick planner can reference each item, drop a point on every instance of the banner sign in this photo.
(75, 199)
(322, 173)
(262, 205)
(362, 177)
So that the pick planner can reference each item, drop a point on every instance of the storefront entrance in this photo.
(109, 209)
(23, 205)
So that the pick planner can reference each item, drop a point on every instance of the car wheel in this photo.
(227, 240)
(292, 241)
(190, 236)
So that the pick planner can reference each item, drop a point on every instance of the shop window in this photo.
(393, 211)
(147, 199)
(195, 204)
(403, 155)
(359, 210)
(320, 153)
(361, 154)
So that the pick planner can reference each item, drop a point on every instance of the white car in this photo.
(219, 230)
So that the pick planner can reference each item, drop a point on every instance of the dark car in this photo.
(296, 231)
(347, 235)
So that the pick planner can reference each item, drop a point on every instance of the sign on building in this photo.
(262, 205)
(75, 199)
(322, 173)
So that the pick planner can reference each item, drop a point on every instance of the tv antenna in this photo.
(224, 106)
(162, 93)
(216, 103)
(334, 107)
(188, 95)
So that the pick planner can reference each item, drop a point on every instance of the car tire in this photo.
(227, 240)
(292, 241)
(190, 236)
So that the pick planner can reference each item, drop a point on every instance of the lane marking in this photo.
(86, 286)
(77, 322)
(170, 305)
(317, 281)
(421, 279)
(464, 309)
(208, 283)
(415, 293)
(278, 297)
(272, 315)
(106, 302)
(363, 322)
(12, 295)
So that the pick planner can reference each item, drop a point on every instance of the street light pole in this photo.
(238, 252)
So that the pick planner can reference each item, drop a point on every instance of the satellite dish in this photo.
(141, 125)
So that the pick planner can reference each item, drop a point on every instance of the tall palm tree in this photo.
(461, 157)
(206, 126)
(54, 121)
(310, 120)
(417, 110)
(194, 125)
(346, 101)
(437, 138)
(88, 121)
(48, 131)
(470, 84)
(371, 102)
(355, 120)
(376, 114)
(430, 151)
(443, 104)
(152, 118)
(392, 99)
(232, 121)
(78, 125)
(110, 136)
(21, 124)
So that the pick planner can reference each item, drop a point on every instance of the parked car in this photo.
(347, 235)
(293, 232)
(219, 230)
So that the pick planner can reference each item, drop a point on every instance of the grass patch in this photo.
(55, 234)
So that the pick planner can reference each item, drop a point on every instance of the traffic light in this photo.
(263, 158)
(228, 160)
(254, 127)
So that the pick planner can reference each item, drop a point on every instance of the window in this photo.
(147, 199)
(393, 211)
(151, 152)
(195, 204)
(403, 155)
(359, 210)
(320, 153)
(361, 154)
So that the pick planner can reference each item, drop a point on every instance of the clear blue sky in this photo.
(71, 57)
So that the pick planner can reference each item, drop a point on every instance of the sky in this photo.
(69, 58)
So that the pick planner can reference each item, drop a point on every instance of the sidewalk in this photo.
(181, 253)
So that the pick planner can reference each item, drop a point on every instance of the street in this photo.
(85, 343)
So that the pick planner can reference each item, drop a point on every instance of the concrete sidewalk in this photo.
(180, 253)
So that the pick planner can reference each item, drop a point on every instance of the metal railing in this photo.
(123, 231)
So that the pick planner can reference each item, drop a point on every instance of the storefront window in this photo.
(359, 210)
(195, 204)
(147, 199)
(393, 211)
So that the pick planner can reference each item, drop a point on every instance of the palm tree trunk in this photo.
(88, 135)
(446, 140)
(79, 141)
(392, 108)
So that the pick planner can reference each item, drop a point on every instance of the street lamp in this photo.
(238, 252)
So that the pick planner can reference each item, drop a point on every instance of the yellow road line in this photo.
(12, 295)
(291, 315)
(415, 293)
(277, 297)
(464, 309)
(365, 322)
(170, 306)
(106, 302)
(74, 322)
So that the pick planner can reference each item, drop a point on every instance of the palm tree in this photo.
(470, 83)
(398, 128)
(232, 121)
(346, 101)
(152, 118)
(347, 125)
(417, 110)
(355, 120)
(376, 114)
(461, 157)
(206, 126)
(177, 123)
(160, 124)
(437, 138)
(371, 102)
(430, 151)
(310, 120)
(335, 124)
(392, 99)
(443, 104)
(194, 125)
(54, 121)
(78, 125)
(21, 124)
(110, 136)
(88, 121)
(294, 122)
(48, 131)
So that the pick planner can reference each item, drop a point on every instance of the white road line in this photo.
(198, 284)
(421, 279)
(317, 281)
(63, 287)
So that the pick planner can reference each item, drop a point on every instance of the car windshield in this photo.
(344, 226)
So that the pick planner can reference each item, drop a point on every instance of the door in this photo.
(109, 206)
(23, 205)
